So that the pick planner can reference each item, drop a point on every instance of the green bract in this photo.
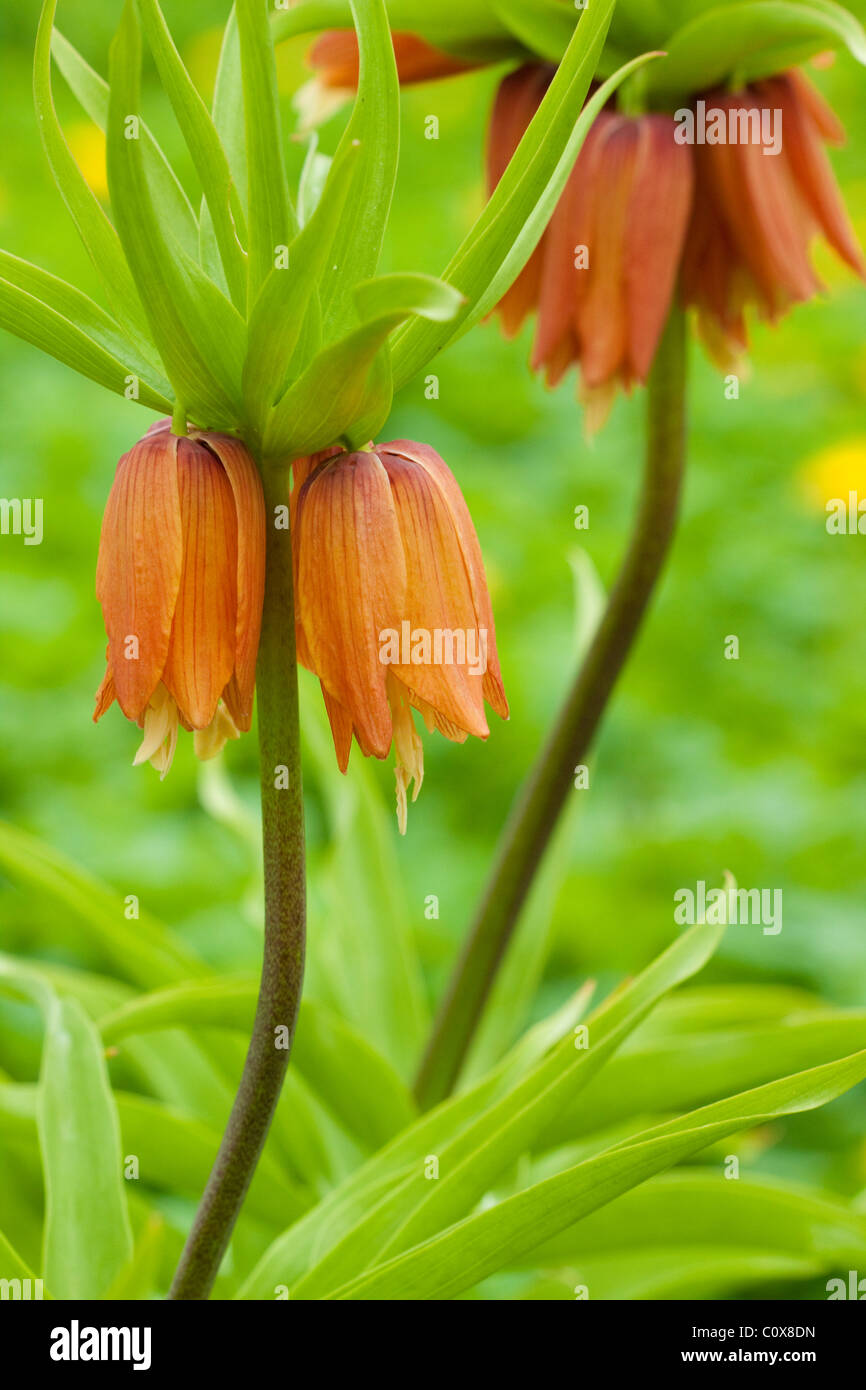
(706, 42)
(248, 315)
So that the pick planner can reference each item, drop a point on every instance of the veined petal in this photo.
(440, 474)
(341, 728)
(201, 655)
(336, 60)
(246, 486)
(519, 96)
(439, 605)
(661, 200)
(602, 315)
(811, 168)
(139, 568)
(351, 585)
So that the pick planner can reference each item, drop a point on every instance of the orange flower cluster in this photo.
(732, 221)
(392, 608)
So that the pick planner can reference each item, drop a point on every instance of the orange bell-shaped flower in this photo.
(756, 212)
(604, 275)
(181, 579)
(392, 606)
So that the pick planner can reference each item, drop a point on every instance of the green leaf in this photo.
(364, 961)
(416, 1208)
(672, 1073)
(96, 232)
(327, 399)
(176, 1154)
(659, 1240)
(513, 222)
(204, 146)
(37, 323)
(751, 40)
(542, 26)
(292, 1253)
(271, 218)
(143, 951)
(11, 1264)
(468, 28)
(87, 1234)
(228, 107)
(516, 985)
(200, 335)
(460, 1257)
(283, 309)
(343, 1070)
(84, 315)
(375, 125)
(92, 93)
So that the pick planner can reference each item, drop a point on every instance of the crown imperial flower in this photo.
(180, 579)
(603, 276)
(755, 217)
(393, 611)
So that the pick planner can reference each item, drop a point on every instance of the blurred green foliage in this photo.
(757, 765)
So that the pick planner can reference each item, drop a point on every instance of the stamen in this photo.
(160, 733)
(211, 741)
(408, 749)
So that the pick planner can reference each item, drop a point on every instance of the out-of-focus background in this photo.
(755, 765)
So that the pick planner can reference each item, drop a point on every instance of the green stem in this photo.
(283, 964)
(536, 811)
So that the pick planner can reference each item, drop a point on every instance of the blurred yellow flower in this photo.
(87, 143)
(834, 472)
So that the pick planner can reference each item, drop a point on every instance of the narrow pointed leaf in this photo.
(82, 313)
(200, 335)
(375, 125)
(99, 237)
(91, 92)
(282, 309)
(457, 1259)
(271, 217)
(204, 146)
(29, 318)
(87, 1234)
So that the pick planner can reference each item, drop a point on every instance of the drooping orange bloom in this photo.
(392, 607)
(756, 214)
(181, 579)
(603, 277)
(335, 60)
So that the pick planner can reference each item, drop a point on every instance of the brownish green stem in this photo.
(285, 915)
(534, 816)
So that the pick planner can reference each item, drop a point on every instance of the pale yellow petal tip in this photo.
(315, 103)
(160, 733)
(210, 742)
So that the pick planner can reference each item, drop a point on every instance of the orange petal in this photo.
(517, 100)
(341, 728)
(249, 500)
(601, 317)
(351, 585)
(564, 285)
(335, 57)
(461, 520)
(139, 568)
(813, 172)
(201, 656)
(105, 696)
(439, 608)
(661, 199)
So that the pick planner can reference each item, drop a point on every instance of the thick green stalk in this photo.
(551, 781)
(283, 965)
